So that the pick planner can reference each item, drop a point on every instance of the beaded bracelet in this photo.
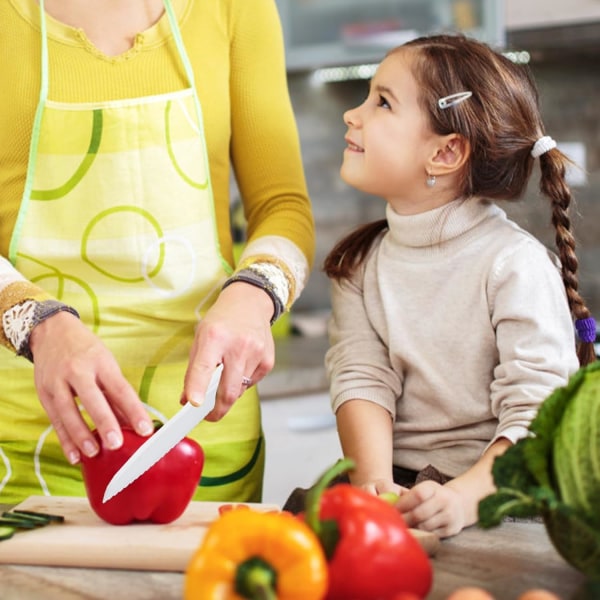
(257, 279)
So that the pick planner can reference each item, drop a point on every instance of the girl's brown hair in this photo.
(501, 121)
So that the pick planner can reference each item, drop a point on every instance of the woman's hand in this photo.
(71, 362)
(236, 331)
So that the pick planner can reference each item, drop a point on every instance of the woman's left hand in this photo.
(236, 331)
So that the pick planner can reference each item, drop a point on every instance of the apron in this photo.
(117, 220)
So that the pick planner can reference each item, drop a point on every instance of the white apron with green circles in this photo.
(117, 220)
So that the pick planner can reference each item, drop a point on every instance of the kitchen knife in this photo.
(159, 443)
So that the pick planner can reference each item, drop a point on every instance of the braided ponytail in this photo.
(554, 186)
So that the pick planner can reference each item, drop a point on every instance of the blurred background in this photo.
(331, 49)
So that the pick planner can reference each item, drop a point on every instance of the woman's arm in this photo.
(278, 255)
(265, 149)
(14, 289)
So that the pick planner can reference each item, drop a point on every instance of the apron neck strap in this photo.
(44, 58)
(179, 43)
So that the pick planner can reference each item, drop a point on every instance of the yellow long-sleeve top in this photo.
(236, 51)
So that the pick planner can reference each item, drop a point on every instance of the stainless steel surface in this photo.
(172, 432)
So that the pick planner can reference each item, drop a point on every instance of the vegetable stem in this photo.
(256, 580)
(313, 497)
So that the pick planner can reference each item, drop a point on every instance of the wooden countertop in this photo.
(506, 561)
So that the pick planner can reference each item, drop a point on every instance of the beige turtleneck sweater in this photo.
(458, 325)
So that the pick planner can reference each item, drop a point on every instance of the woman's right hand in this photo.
(71, 362)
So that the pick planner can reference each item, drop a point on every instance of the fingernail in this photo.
(113, 440)
(73, 457)
(89, 448)
(145, 428)
(196, 399)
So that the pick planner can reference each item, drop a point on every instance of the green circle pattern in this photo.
(111, 211)
(82, 169)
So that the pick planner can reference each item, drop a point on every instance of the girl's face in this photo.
(389, 140)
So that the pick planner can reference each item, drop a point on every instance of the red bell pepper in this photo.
(160, 495)
(371, 553)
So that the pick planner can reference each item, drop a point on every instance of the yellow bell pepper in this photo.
(252, 555)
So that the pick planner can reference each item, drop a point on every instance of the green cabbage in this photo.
(555, 473)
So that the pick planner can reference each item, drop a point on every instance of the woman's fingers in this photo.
(231, 334)
(73, 369)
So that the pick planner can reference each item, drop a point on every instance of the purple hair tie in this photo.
(586, 329)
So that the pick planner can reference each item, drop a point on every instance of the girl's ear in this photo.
(450, 155)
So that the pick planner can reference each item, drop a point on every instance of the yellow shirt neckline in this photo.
(72, 36)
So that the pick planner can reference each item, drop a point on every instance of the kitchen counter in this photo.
(506, 561)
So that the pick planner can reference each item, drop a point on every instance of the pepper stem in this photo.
(255, 579)
(313, 497)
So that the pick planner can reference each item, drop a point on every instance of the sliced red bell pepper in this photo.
(160, 495)
(371, 553)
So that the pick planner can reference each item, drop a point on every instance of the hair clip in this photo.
(452, 99)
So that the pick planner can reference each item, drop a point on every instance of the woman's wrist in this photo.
(19, 321)
(267, 278)
(249, 298)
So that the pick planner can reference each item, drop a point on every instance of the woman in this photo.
(119, 125)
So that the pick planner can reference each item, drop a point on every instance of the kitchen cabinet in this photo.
(330, 33)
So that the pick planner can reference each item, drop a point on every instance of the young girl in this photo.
(450, 323)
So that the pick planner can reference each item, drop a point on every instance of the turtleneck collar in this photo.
(439, 225)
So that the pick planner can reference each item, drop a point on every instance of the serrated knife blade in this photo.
(170, 434)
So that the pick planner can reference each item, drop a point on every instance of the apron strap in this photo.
(189, 72)
(179, 43)
(44, 75)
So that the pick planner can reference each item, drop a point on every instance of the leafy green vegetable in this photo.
(555, 473)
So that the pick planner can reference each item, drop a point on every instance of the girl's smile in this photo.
(352, 146)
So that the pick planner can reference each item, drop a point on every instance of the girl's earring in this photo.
(430, 181)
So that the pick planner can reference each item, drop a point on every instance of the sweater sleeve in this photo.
(266, 149)
(357, 361)
(534, 333)
(14, 289)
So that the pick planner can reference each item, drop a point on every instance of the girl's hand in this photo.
(433, 507)
(71, 362)
(382, 486)
(236, 331)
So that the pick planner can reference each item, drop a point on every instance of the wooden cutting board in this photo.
(84, 540)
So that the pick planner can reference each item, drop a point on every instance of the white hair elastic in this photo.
(542, 146)
(452, 99)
